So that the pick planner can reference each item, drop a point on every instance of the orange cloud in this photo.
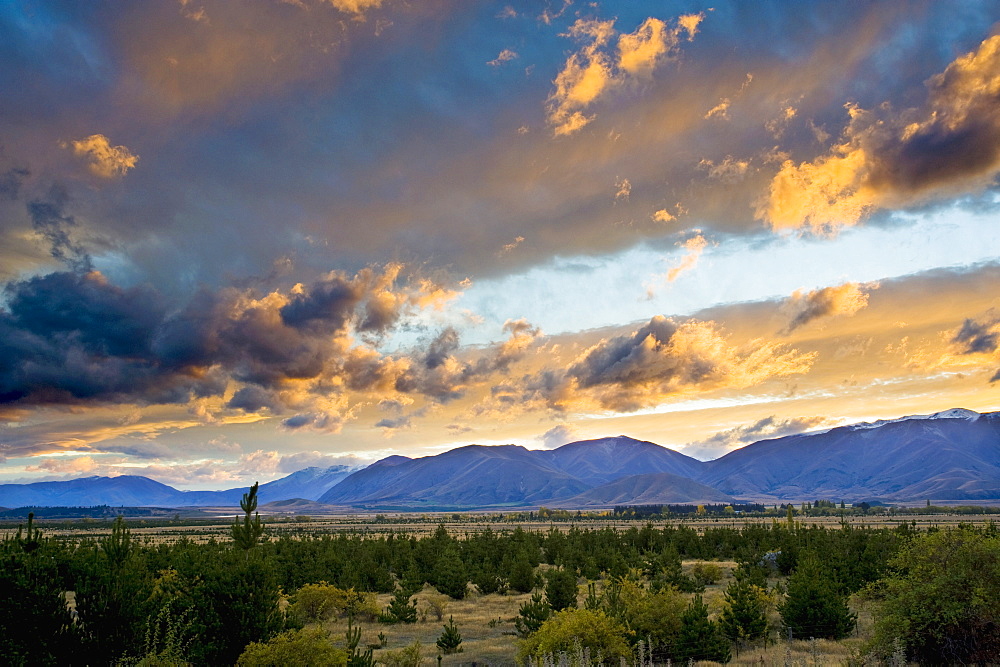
(694, 246)
(661, 360)
(895, 158)
(103, 159)
(846, 299)
(594, 70)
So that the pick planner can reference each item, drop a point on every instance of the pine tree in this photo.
(400, 609)
(814, 607)
(248, 533)
(35, 626)
(531, 615)
(521, 577)
(743, 618)
(560, 589)
(700, 638)
(450, 640)
(450, 575)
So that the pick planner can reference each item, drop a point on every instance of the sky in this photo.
(240, 239)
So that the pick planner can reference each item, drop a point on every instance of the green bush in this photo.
(411, 656)
(320, 602)
(309, 647)
(596, 632)
(706, 573)
(943, 601)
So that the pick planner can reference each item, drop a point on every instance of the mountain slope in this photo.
(137, 491)
(472, 476)
(600, 461)
(660, 488)
(951, 455)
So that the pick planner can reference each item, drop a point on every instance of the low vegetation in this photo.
(645, 593)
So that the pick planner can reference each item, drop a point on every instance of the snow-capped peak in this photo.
(954, 413)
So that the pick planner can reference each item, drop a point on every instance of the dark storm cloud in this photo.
(660, 359)
(441, 348)
(50, 221)
(327, 306)
(978, 337)
(10, 182)
(75, 337)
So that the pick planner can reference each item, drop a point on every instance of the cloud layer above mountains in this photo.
(360, 227)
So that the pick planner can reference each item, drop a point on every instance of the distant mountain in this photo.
(137, 491)
(595, 462)
(947, 456)
(129, 490)
(505, 476)
(658, 488)
(473, 476)
(951, 455)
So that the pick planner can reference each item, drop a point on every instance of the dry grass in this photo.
(486, 624)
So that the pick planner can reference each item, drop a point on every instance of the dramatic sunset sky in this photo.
(241, 238)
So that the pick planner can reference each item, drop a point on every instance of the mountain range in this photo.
(948, 456)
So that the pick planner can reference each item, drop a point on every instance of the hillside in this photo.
(952, 455)
(659, 488)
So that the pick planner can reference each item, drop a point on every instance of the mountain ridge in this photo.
(952, 455)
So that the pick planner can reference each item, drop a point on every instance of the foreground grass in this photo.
(488, 638)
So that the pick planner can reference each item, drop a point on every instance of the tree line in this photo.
(207, 603)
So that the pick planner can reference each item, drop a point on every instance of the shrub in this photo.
(706, 573)
(320, 602)
(596, 632)
(411, 656)
(309, 647)
(943, 602)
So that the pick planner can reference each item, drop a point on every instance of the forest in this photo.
(575, 595)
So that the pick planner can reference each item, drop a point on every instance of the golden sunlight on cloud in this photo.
(694, 246)
(890, 157)
(846, 299)
(663, 215)
(355, 6)
(592, 71)
(640, 52)
(664, 359)
(103, 159)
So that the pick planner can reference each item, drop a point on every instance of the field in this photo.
(486, 624)
(202, 530)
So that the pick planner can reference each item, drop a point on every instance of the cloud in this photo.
(663, 358)
(557, 436)
(505, 56)
(769, 427)
(74, 338)
(805, 307)
(55, 226)
(595, 69)
(357, 7)
(893, 158)
(730, 170)
(663, 215)
(511, 247)
(694, 247)
(10, 182)
(976, 337)
(720, 110)
(103, 159)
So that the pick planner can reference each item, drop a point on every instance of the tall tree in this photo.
(700, 638)
(814, 607)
